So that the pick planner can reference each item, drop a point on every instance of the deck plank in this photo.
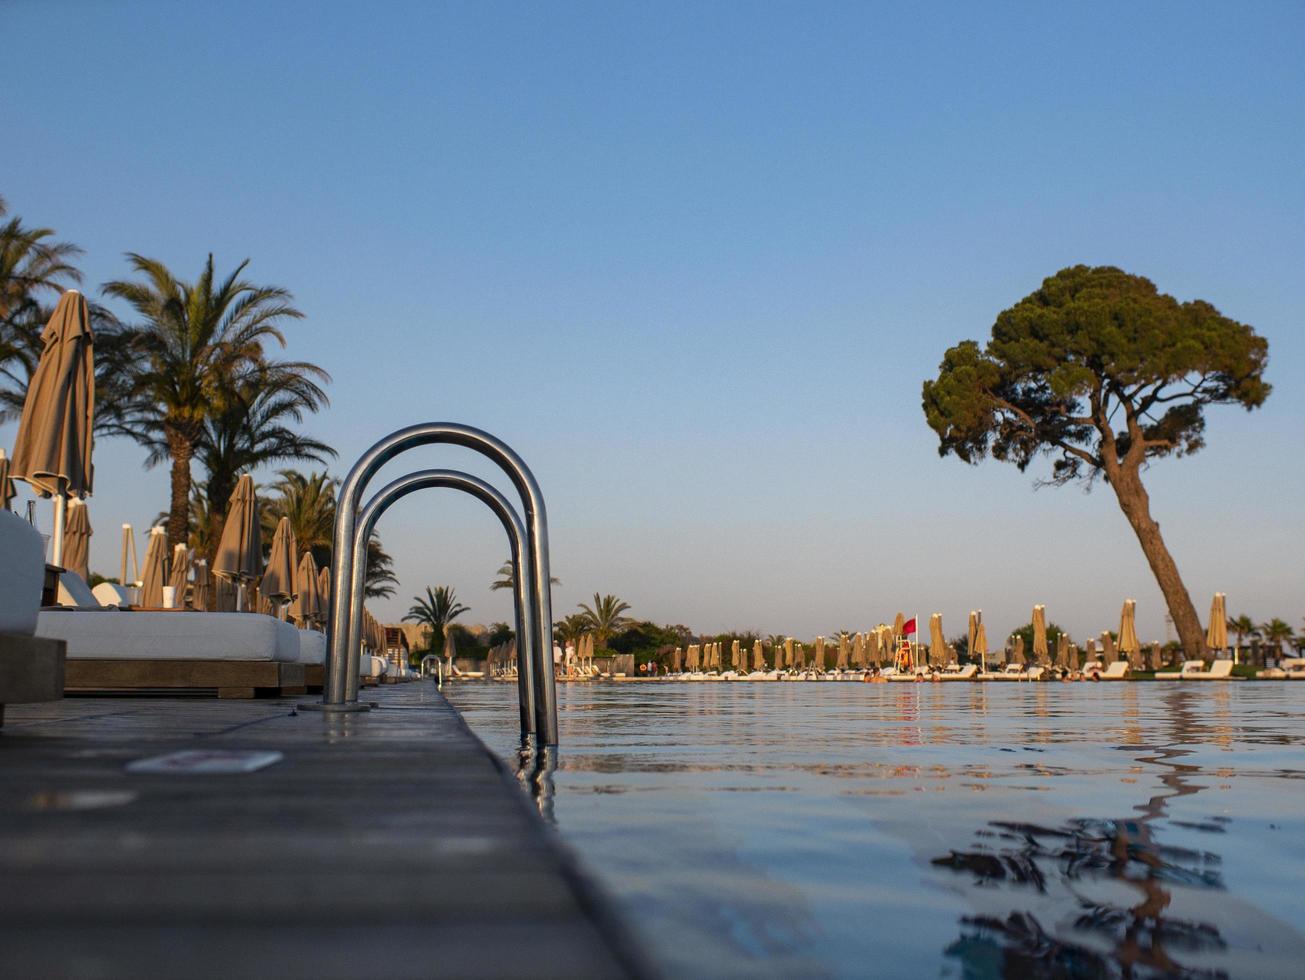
(385, 844)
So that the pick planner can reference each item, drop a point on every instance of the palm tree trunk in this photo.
(181, 450)
(1136, 505)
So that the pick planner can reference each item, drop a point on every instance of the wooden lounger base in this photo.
(31, 670)
(223, 678)
(315, 678)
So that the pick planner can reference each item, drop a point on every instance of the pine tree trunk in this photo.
(1136, 505)
(181, 450)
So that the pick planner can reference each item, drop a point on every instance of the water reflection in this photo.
(536, 767)
(845, 830)
(1100, 935)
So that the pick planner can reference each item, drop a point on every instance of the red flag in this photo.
(908, 627)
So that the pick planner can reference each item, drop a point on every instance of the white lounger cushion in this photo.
(312, 647)
(73, 591)
(22, 568)
(109, 594)
(113, 635)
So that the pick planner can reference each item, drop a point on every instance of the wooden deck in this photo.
(384, 844)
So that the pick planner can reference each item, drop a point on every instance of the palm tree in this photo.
(505, 579)
(1276, 632)
(254, 428)
(570, 629)
(605, 617)
(1242, 627)
(436, 610)
(379, 578)
(200, 344)
(31, 265)
(309, 503)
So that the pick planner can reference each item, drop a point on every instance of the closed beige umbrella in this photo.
(819, 661)
(77, 540)
(129, 549)
(305, 607)
(844, 653)
(1128, 644)
(1108, 653)
(240, 549)
(53, 448)
(981, 641)
(1155, 657)
(1017, 650)
(1090, 650)
(1062, 650)
(899, 626)
(201, 596)
(858, 651)
(324, 594)
(180, 574)
(154, 574)
(735, 662)
(937, 642)
(1216, 636)
(758, 655)
(788, 653)
(1040, 651)
(676, 661)
(278, 582)
(7, 489)
(970, 632)
(225, 594)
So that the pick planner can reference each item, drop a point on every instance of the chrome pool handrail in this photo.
(391, 493)
(536, 522)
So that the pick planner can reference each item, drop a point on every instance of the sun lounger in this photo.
(31, 667)
(73, 591)
(234, 655)
(1118, 671)
(312, 654)
(1220, 670)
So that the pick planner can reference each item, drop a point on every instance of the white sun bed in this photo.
(1118, 671)
(234, 654)
(31, 668)
(1220, 670)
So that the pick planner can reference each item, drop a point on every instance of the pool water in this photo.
(953, 830)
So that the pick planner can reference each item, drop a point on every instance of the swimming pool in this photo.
(963, 830)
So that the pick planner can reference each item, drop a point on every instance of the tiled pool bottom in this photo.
(959, 830)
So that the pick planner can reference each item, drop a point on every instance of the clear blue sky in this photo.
(694, 262)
